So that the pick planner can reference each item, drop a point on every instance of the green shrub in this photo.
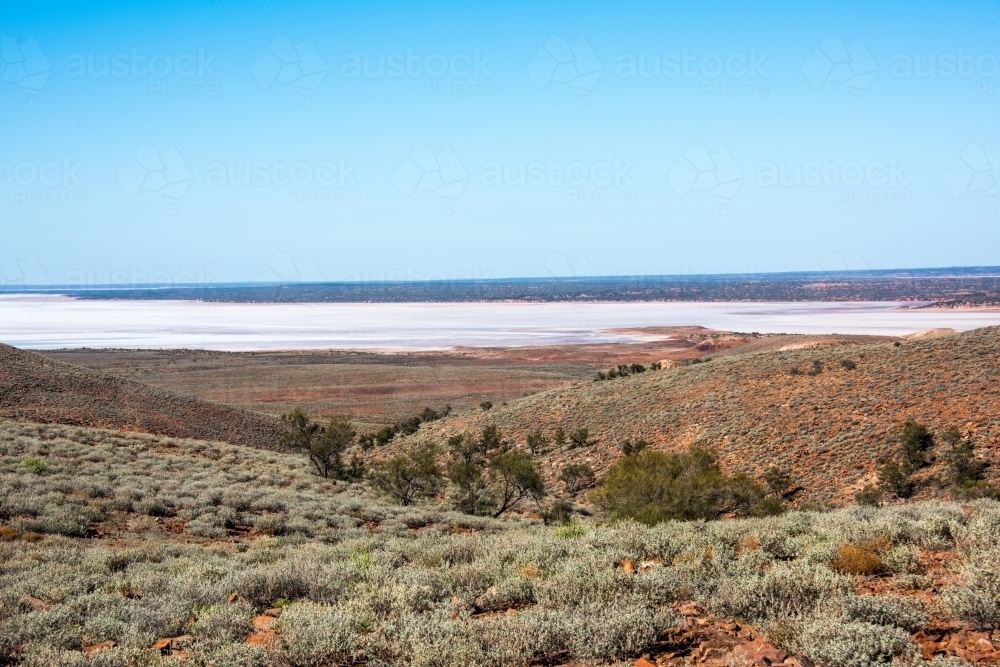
(580, 438)
(35, 465)
(406, 476)
(577, 476)
(851, 644)
(654, 486)
(895, 479)
(869, 496)
(917, 442)
(903, 613)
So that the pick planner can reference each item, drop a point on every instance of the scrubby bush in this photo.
(861, 558)
(404, 477)
(917, 442)
(895, 479)
(324, 445)
(630, 447)
(654, 486)
(577, 476)
(851, 644)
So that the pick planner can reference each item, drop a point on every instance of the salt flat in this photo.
(51, 322)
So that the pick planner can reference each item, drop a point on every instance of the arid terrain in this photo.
(120, 549)
(826, 409)
(376, 389)
(155, 520)
(34, 388)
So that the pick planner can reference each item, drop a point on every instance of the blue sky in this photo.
(186, 142)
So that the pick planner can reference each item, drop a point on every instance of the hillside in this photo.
(829, 428)
(34, 388)
(109, 557)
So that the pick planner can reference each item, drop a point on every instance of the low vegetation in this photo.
(123, 542)
(652, 487)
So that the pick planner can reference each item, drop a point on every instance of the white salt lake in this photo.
(50, 322)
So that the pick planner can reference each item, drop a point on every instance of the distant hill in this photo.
(955, 286)
(829, 424)
(34, 388)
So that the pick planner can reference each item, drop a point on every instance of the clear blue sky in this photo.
(423, 140)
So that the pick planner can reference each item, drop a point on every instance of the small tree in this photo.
(917, 441)
(577, 476)
(328, 451)
(472, 494)
(778, 481)
(325, 446)
(559, 437)
(895, 479)
(629, 447)
(515, 477)
(537, 442)
(963, 465)
(404, 477)
(580, 438)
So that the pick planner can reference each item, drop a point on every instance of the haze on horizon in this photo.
(177, 143)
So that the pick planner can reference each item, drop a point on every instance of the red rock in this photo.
(628, 565)
(689, 609)
(262, 637)
(642, 662)
(37, 603)
(275, 612)
(263, 622)
(97, 647)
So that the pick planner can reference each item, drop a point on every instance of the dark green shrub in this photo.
(869, 496)
(778, 481)
(537, 442)
(917, 442)
(847, 364)
(895, 479)
(384, 436)
(629, 448)
(577, 476)
(579, 438)
(486, 405)
(653, 486)
(406, 476)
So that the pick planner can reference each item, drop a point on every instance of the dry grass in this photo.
(857, 559)
(138, 538)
